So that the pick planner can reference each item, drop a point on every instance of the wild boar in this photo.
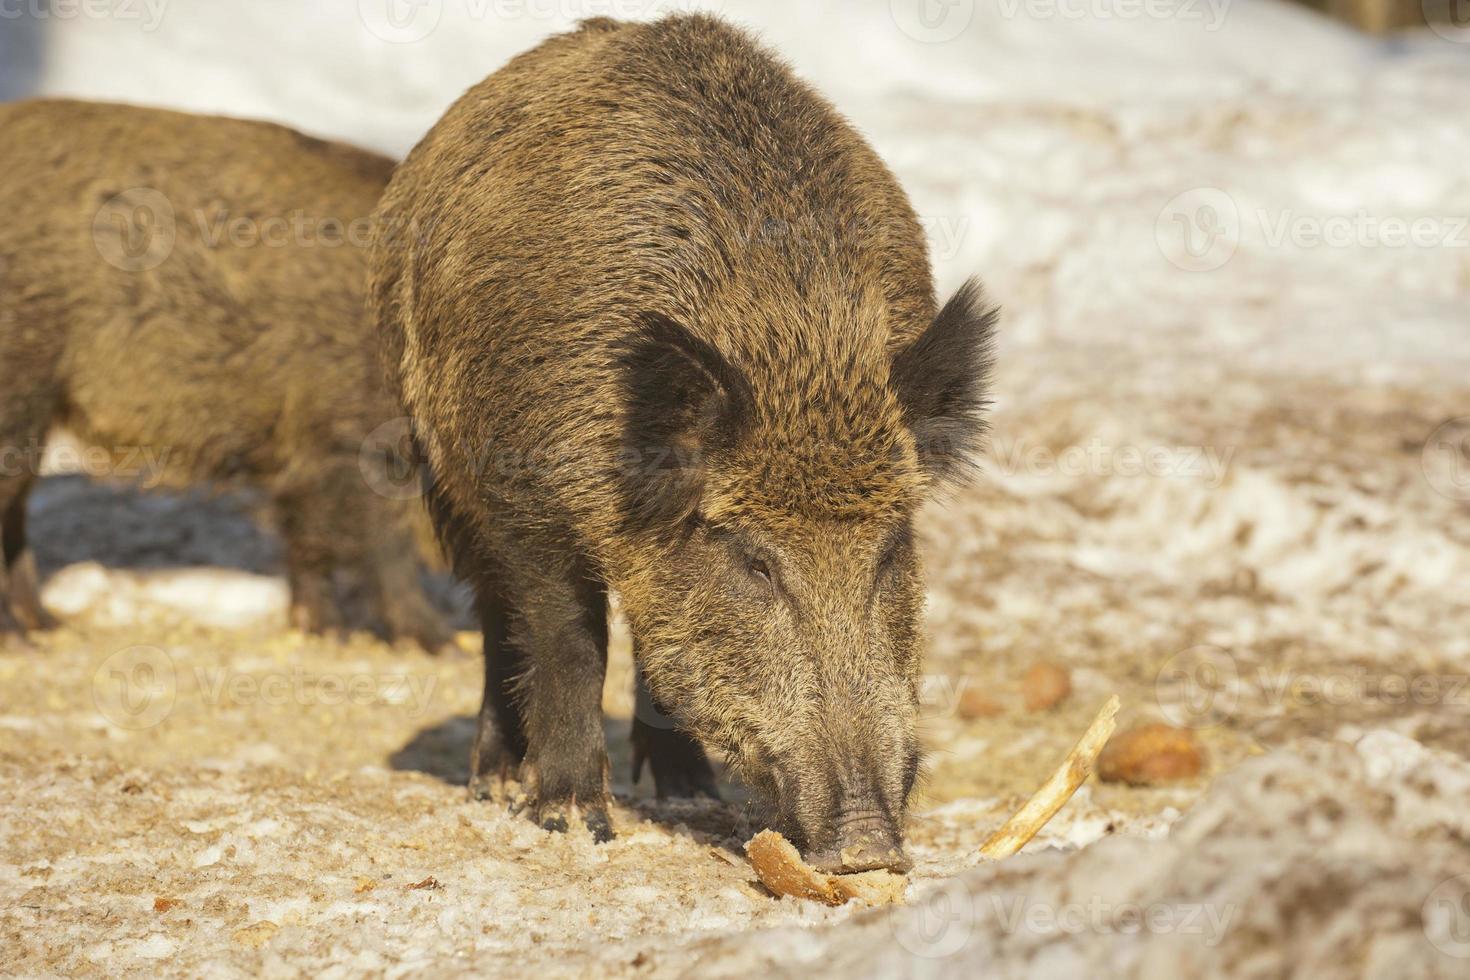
(189, 291)
(671, 331)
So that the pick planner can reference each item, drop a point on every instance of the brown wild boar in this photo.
(670, 330)
(192, 287)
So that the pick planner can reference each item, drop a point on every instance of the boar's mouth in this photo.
(836, 833)
(865, 841)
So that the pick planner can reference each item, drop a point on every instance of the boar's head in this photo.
(773, 585)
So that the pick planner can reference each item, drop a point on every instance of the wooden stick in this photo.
(1056, 791)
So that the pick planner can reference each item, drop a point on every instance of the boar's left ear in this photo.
(942, 382)
(682, 400)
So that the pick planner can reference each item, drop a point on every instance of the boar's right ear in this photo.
(682, 400)
(942, 381)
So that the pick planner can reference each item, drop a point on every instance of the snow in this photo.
(1043, 144)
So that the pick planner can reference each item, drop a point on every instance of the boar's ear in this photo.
(942, 382)
(683, 399)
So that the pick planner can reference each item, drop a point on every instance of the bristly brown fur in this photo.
(671, 331)
(235, 352)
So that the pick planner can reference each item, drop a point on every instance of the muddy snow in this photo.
(1229, 482)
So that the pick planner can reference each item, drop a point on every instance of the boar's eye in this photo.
(759, 569)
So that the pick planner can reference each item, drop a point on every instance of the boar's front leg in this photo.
(308, 516)
(20, 584)
(314, 607)
(500, 738)
(399, 598)
(558, 627)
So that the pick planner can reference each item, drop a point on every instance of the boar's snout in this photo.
(866, 840)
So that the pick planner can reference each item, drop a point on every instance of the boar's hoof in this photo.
(680, 767)
(599, 824)
(556, 812)
(25, 595)
(8, 623)
(10, 627)
(319, 617)
(492, 767)
(556, 816)
(490, 786)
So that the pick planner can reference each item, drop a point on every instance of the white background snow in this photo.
(1046, 143)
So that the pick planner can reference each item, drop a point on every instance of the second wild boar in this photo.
(189, 290)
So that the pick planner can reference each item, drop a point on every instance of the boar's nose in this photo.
(865, 841)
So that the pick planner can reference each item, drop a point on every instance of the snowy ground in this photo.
(1227, 483)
